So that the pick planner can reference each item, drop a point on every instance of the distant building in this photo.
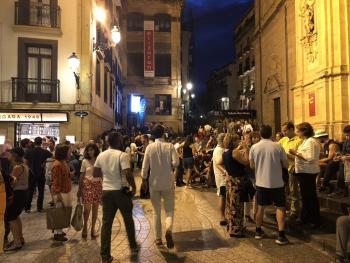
(152, 90)
(187, 46)
(219, 85)
(245, 61)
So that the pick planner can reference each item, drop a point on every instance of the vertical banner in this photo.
(312, 104)
(149, 49)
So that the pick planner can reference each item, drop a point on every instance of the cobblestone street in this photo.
(196, 233)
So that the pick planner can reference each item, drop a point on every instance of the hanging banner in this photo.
(312, 104)
(149, 49)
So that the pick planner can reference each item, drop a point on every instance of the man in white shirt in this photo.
(114, 167)
(268, 158)
(219, 172)
(161, 158)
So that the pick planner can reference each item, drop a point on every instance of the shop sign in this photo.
(149, 66)
(81, 114)
(54, 117)
(32, 117)
(10, 116)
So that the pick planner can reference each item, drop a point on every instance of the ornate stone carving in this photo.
(273, 81)
(309, 37)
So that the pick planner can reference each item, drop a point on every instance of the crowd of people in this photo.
(250, 168)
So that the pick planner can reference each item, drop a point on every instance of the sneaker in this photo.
(259, 234)
(169, 239)
(281, 240)
(60, 237)
(12, 248)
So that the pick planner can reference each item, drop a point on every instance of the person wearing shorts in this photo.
(268, 158)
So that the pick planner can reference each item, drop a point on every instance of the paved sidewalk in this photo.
(197, 235)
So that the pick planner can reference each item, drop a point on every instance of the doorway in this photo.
(277, 114)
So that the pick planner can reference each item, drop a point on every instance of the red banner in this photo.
(149, 49)
(312, 104)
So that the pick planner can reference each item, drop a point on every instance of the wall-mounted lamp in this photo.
(74, 63)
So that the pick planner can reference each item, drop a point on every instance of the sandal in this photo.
(159, 242)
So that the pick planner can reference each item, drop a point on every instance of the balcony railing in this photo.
(38, 14)
(35, 90)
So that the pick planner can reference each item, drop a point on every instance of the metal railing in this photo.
(35, 90)
(38, 14)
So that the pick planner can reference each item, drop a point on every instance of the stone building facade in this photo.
(275, 63)
(39, 94)
(159, 91)
(321, 92)
(245, 62)
(302, 63)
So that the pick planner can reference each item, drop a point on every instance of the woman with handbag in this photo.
(19, 182)
(61, 183)
(90, 189)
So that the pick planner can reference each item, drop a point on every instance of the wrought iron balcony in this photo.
(37, 14)
(35, 90)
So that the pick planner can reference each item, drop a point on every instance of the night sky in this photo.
(214, 22)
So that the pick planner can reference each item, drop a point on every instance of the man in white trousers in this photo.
(161, 159)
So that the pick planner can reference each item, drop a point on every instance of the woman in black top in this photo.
(188, 160)
(235, 158)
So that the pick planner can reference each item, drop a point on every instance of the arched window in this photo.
(162, 23)
(135, 21)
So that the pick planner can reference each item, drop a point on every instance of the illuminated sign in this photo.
(32, 117)
(135, 104)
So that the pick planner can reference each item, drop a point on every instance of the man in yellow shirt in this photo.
(291, 141)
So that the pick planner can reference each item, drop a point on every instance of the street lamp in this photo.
(116, 37)
(193, 95)
(74, 63)
(189, 86)
(100, 14)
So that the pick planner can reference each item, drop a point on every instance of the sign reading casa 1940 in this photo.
(33, 117)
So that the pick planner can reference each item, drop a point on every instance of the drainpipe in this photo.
(260, 62)
(287, 60)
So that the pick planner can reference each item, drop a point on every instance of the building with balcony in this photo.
(39, 94)
(245, 62)
(219, 88)
(152, 90)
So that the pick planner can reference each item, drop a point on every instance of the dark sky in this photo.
(214, 22)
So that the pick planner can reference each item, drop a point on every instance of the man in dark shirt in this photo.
(35, 159)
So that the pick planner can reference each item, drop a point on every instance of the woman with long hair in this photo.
(90, 189)
(235, 158)
(19, 182)
(188, 160)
